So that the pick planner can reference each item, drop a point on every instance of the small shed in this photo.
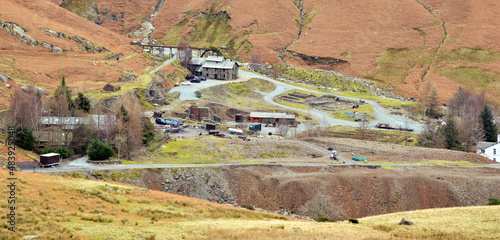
(213, 132)
(211, 126)
(50, 159)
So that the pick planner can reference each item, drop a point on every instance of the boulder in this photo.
(57, 49)
(111, 88)
(7, 85)
(4, 78)
(127, 78)
(405, 221)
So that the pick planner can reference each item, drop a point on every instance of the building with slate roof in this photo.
(214, 67)
(490, 150)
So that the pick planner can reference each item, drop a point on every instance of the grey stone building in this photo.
(214, 67)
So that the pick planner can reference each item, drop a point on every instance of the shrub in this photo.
(248, 206)
(494, 201)
(46, 150)
(324, 219)
(65, 152)
(353, 220)
(98, 150)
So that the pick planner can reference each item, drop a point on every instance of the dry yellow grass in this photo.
(68, 208)
(446, 223)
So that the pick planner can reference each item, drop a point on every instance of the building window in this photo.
(494, 151)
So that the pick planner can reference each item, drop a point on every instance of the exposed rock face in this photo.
(127, 78)
(57, 49)
(54, 33)
(39, 90)
(355, 191)
(110, 88)
(4, 78)
(155, 94)
(87, 46)
(46, 45)
(19, 32)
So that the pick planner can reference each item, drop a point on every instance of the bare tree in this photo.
(322, 206)
(25, 108)
(431, 136)
(256, 62)
(282, 128)
(128, 124)
(430, 100)
(363, 128)
(184, 53)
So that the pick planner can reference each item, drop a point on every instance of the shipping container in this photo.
(50, 159)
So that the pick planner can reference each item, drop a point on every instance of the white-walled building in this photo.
(490, 150)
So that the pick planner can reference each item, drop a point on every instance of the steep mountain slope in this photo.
(400, 44)
(41, 42)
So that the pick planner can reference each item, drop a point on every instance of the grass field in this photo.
(73, 208)
(209, 149)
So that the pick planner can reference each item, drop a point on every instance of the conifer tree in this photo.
(451, 133)
(490, 128)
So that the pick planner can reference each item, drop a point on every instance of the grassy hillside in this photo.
(66, 208)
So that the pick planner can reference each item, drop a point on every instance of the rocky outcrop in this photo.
(39, 90)
(53, 48)
(19, 32)
(54, 33)
(127, 78)
(110, 88)
(86, 45)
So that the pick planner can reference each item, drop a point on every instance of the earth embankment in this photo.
(351, 191)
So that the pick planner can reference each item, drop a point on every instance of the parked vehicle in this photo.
(359, 159)
(186, 83)
(50, 159)
(255, 127)
(202, 78)
(195, 80)
(162, 121)
(235, 131)
(333, 156)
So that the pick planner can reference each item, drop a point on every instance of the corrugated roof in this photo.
(271, 115)
(73, 122)
(198, 61)
(219, 65)
(216, 58)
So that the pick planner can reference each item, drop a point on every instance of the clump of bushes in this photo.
(248, 206)
(353, 220)
(494, 201)
(65, 152)
(98, 150)
(324, 219)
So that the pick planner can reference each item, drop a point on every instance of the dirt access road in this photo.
(81, 164)
(381, 115)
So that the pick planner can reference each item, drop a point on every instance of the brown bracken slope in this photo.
(400, 44)
(37, 65)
